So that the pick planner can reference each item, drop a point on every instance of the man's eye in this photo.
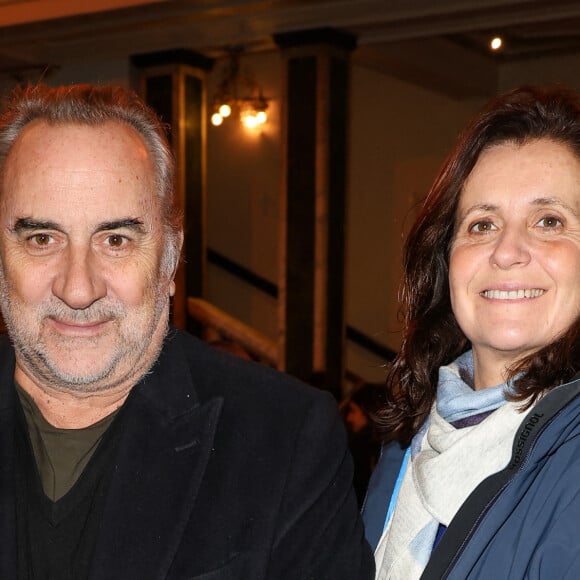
(41, 239)
(116, 240)
(550, 222)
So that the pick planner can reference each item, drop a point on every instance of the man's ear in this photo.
(179, 246)
(179, 249)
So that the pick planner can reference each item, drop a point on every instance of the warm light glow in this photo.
(236, 96)
(225, 110)
(250, 120)
(216, 119)
(496, 43)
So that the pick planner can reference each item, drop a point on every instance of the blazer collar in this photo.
(163, 453)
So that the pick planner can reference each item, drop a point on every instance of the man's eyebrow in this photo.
(23, 224)
(131, 223)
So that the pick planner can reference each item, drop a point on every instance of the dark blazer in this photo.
(225, 470)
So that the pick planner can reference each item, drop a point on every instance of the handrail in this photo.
(270, 289)
(256, 343)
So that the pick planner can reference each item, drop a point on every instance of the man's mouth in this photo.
(513, 294)
(78, 323)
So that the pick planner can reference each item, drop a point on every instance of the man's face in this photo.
(81, 244)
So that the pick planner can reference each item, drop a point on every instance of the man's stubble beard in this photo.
(132, 350)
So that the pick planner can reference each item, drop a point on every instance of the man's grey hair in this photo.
(96, 105)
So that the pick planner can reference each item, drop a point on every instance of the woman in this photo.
(483, 397)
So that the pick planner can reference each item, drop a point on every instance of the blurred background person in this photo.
(363, 440)
(481, 480)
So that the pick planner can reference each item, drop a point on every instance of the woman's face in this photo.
(514, 270)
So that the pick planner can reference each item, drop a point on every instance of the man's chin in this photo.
(77, 369)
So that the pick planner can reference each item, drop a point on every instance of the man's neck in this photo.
(68, 410)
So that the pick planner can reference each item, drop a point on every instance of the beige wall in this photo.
(563, 69)
(243, 184)
(400, 135)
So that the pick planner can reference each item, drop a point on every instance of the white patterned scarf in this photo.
(445, 467)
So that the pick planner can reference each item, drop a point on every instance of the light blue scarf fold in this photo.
(446, 465)
(456, 399)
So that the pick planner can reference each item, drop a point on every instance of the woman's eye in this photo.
(550, 222)
(482, 227)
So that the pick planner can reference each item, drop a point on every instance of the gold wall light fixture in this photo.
(237, 96)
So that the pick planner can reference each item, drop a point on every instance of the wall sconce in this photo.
(238, 96)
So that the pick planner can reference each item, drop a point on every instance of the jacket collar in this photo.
(163, 453)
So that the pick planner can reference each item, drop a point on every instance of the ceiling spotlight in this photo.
(496, 43)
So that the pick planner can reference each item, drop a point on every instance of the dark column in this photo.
(173, 84)
(316, 67)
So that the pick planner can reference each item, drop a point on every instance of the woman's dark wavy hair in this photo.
(432, 336)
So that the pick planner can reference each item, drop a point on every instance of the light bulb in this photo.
(225, 110)
(216, 119)
(250, 121)
(496, 43)
(261, 117)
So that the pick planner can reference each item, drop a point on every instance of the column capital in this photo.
(175, 56)
(316, 37)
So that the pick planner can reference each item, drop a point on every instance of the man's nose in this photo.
(79, 283)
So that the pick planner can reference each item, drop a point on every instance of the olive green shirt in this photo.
(61, 454)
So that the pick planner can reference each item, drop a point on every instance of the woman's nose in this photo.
(512, 248)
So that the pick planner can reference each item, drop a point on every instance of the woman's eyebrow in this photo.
(554, 201)
(483, 207)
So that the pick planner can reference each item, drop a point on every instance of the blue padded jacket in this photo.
(522, 522)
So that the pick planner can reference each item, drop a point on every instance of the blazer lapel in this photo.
(163, 452)
(156, 480)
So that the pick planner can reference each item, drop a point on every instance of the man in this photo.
(129, 450)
